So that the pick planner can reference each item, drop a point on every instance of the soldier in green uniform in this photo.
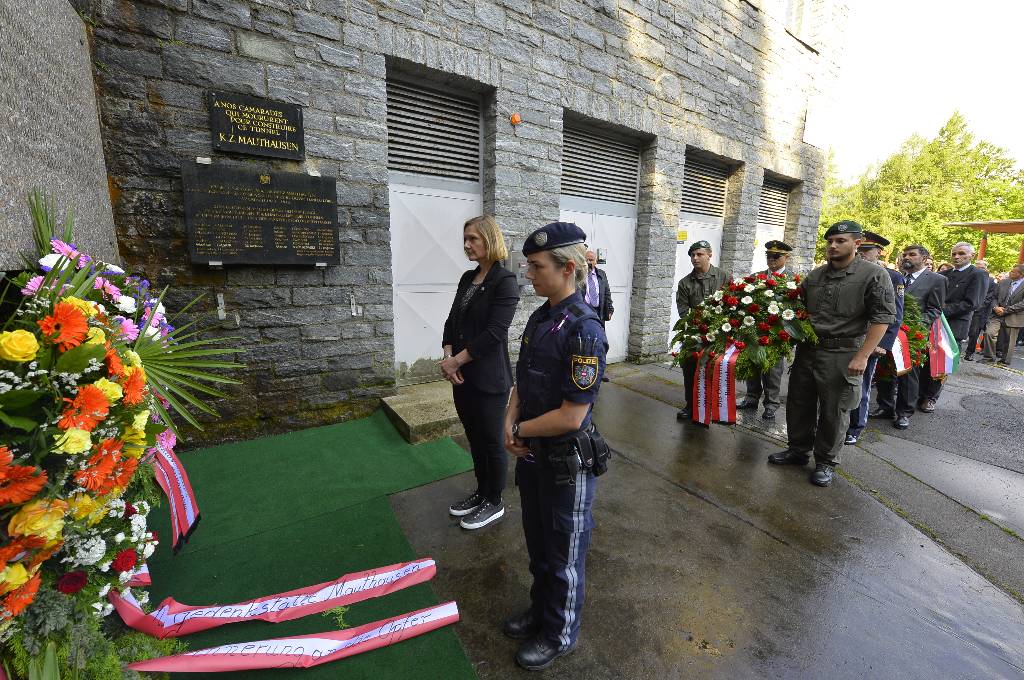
(851, 302)
(693, 288)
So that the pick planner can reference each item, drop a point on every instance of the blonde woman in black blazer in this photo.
(476, 363)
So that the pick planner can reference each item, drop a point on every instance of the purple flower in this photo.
(129, 328)
(32, 287)
(109, 290)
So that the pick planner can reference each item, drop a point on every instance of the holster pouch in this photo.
(594, 451)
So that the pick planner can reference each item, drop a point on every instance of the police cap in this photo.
(697, 245)
(848, 227)
(778, 247)
(873, 240)
(554, 235)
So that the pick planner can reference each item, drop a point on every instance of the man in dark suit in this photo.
(979, 322)
(897, 398)
(966, 286)
(1007, 316)
(596, 291)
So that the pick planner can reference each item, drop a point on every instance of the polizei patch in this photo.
(584, 371)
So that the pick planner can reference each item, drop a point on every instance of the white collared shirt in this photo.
(960, 269)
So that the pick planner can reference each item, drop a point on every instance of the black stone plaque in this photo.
(260, 127)
(243, 217)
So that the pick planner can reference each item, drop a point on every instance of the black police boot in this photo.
(685, 413)
(747, 404)
(788, 457)
(537, 654)
(901, 423)
(769, 413)
(521, 627)
(823, 474)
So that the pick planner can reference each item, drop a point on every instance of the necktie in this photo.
(592, 289)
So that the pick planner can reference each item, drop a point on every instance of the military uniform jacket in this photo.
(930, 290)
(843, 303)
(562, 357)
(694, 288)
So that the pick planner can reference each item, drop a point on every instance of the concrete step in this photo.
(423, 412)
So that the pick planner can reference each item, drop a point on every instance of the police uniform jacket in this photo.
(562, 357)
(899, 286)
(930, 290)
(482, 328)
(842, 303)
(965, 291)
(695, 287)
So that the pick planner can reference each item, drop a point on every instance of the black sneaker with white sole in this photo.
(484, 515)
(466, 506)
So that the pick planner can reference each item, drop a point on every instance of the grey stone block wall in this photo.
(722, 76)
(49, 128)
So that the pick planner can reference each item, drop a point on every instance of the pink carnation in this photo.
(129, 329)
(110, 291)
(32, 287)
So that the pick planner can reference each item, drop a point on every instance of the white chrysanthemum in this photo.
(773, 308)
(90, 551)
(105, 567)
(788, 315)
(127, 304)
(719, 309)
(119, 537)
(769, 293)
(726, 327)
(791, 285)
(148, 550)
(718, 295)
(749, 288)
(746, 299)
(749, 321)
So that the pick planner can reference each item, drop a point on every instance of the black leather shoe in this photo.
(788, 457)
(769, 413)
(537, 654)
(902, 423)
(850, 440)
(969, 357)
(521, 627)
(823, 475)
(747, 404)
(685, 413)
(881, 413)
(927, 406)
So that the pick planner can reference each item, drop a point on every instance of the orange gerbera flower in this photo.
(19, 483)
(134, 388)
(66, 327)
(113, 360)
(124, 471)
(17, 600)
(19, 545)
(96, 477)
(45, 554)
(87, 409)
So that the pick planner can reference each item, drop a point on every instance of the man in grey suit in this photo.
(966, 286)
(897, 400)
(1007, 316)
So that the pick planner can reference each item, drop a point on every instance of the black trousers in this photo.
(978, 323)
(689, 368)
(483, 418)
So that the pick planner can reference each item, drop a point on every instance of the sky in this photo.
(910, 63)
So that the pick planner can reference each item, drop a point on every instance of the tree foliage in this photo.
(911, 196)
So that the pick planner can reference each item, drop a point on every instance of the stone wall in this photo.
(49, 128)
(720, 76)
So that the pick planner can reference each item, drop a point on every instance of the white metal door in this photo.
(427, 261)
(610, 227)
(772, 210)
(694, 228)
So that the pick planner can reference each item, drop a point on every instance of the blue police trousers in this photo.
(557, 521)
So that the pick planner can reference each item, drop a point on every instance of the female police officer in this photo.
(547, 427)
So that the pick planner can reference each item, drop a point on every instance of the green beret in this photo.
(697, 245)
(848, 227)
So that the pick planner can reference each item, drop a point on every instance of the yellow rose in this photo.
(134, 442)
(83, 505)
(87, 308)
(39, 518)
(96, 336)
(141, 419)
(18, 346)
(132, 358)
(12, 577)
(111, 390)
(73, 440)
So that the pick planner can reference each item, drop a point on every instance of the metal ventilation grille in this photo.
(774, 203)
(594, 166)
(704, 185)
(432, 132)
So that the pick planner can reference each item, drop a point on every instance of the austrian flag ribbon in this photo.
(901, 354)
(173, 619)
(702, 387)
(723, 401)
(170, 475)
(303, 651)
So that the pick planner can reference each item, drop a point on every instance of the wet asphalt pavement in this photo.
(708, 563)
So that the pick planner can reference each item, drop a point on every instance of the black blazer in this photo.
(965, 292)
(605, 308)
(484, 329)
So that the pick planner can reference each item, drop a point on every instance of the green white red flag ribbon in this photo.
(173, 619)
(944, 351)
(901, 354)
(304, 651)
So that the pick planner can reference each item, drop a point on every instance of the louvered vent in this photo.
(595, 166)
(774, 203)
(432, 132)
(704, 183)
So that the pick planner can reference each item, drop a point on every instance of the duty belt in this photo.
(841, 343)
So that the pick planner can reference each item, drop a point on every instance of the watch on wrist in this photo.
(515, 430)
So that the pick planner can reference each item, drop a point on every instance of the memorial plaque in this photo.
(243, 217)
(255, 126)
